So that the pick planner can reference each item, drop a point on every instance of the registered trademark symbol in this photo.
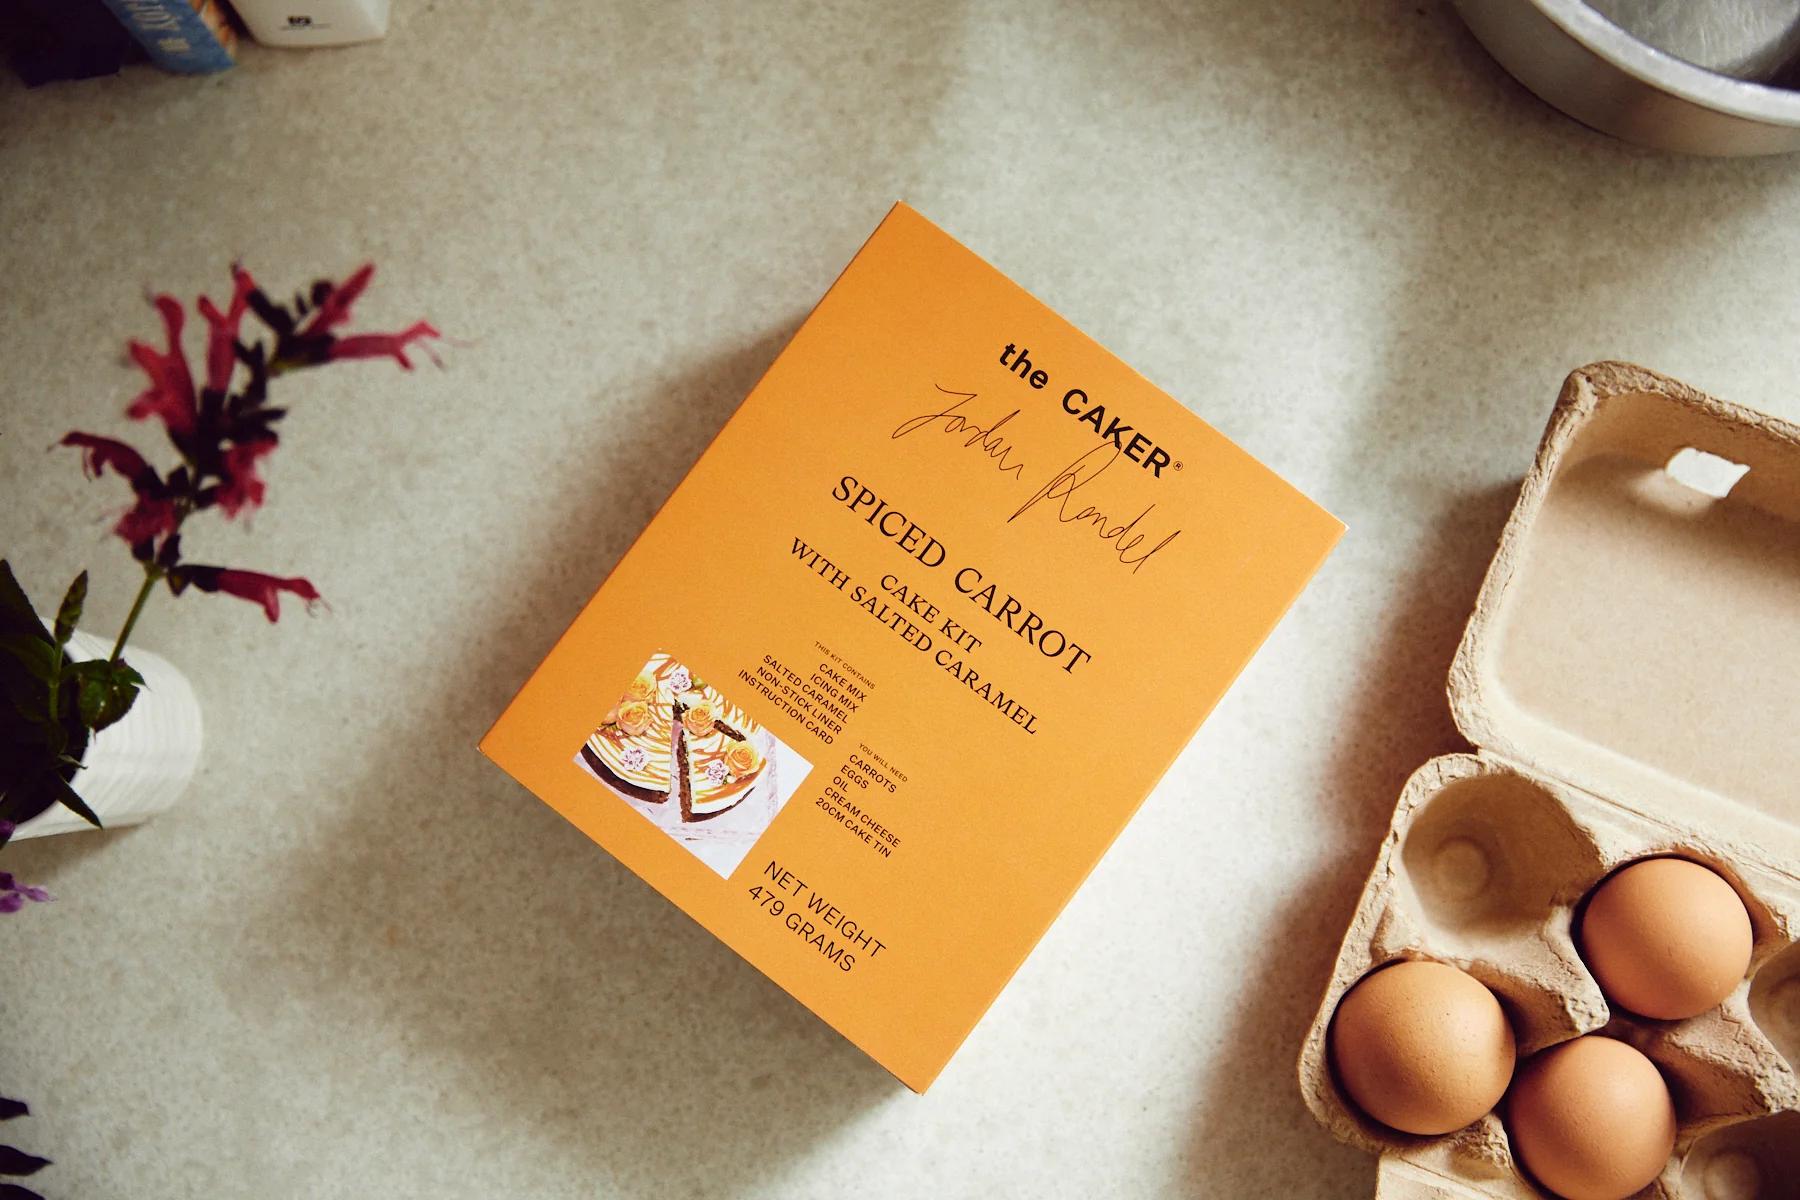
(1178, 464)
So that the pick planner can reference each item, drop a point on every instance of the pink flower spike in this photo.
(98, 453)
(171, 391)
(221, 342)
(261, 589)
(334, 310)
(243, 488)
(385, 345)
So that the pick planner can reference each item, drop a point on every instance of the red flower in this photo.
(154, 513)
(249, 585)
(221, 342)
(383, 345)
(150, 517)
(334, 308)
(99, 453)
(304, 334)
(171, 391)
(242, 487)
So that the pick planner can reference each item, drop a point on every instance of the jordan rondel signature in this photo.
(952, 416)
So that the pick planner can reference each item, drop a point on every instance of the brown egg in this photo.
(1422, 1047)
(1591, 1119)
(1666, 938)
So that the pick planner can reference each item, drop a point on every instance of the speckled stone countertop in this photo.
(358, 960)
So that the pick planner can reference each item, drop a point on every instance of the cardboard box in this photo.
(1629, 677)
(898, 659)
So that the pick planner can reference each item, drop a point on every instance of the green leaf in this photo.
(72, 801)
(105, 704)
(70, 612)
(25, 801)
(105, 691)
(36, 655)
(40, 783)
(56, 738)
(31, 707)
(75, 741)
(16, 613)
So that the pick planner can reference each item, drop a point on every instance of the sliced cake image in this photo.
(692, 763)
(673, 736)
(719, 753)
(633, 751)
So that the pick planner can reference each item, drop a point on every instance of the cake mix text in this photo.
(1018, 617)
(948, 620)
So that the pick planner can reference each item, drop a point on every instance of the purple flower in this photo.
(14, 894)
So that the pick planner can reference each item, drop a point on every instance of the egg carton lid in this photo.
(1638, 632)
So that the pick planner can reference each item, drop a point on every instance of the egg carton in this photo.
(1631, 679)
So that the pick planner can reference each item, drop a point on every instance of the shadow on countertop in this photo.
(581, 1007)
(1400, 719)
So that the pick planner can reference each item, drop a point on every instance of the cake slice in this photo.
(634, 750)
(719, 760)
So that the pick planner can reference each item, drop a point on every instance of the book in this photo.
(191, 37)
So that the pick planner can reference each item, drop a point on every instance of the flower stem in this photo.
(151, 574)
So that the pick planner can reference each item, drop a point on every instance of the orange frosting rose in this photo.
(743, 760)
(634, 717)
(641, 688)
(699, 717)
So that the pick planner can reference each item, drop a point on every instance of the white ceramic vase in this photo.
(140, 765)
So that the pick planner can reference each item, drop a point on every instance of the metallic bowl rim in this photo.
(1708, 89)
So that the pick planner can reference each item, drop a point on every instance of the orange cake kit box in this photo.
(899, 658)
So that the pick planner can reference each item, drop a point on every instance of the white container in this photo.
(314, 22)
(140, 765)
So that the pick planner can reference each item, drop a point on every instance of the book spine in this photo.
(174, 34)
